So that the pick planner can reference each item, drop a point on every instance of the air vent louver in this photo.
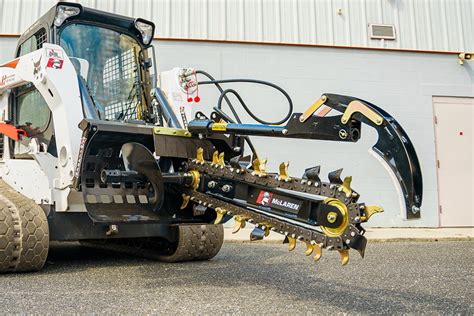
(382, 31)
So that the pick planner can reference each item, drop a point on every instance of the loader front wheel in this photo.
(189, 243)
(195, 242)
(24, 233)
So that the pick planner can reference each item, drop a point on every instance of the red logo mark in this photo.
(55, 63)
(264, 198)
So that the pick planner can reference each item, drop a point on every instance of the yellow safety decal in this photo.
(219, 127)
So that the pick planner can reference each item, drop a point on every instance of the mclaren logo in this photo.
(272, 200)
(285, 204)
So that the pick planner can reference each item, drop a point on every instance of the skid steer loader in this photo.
(99, 147)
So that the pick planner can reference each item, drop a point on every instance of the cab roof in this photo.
(87, 15)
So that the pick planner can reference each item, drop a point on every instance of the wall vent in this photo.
(382, 31)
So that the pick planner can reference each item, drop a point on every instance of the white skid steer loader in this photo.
(98, 147)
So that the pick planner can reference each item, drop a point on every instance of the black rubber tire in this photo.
(194, 243)
(24, 232)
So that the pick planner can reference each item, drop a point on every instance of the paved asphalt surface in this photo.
(395, 277)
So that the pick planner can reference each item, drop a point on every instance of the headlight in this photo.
(145, 29)
(63, 12)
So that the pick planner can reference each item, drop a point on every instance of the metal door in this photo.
(454, 119)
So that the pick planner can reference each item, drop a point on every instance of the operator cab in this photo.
(111, 56)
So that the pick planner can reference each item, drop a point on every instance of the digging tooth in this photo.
(312, 174)
(185, 201)
(284, 172)
(359, 243)
(215, 158)
(259, 167)
(200, 155)
(346, 186)
(257, 234)
(239, 223)
(266, 229)
(219, 215)
(234, 162)
(309, 248)
(291, 243)
(344, 256)
(335, 176)
(220, 161)
(244, 162)
(370, 210)
(318, 252)
(240, 163)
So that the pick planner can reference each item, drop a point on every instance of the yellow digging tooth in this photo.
(259, 167)
(318, 252)
(219, 215)
(284, 171)
(346, 186)
(220, 161)
(239, 223)
(291, 243)
(266, 230)
(185, 201)
(309, 249)
(215, 157)
(237, 226)
(344, 256)
(200, 155)
(370, 210)
(263, 166)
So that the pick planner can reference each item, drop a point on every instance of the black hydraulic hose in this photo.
(218, 86)
(225, 92)
(224, 115)
(223, 96)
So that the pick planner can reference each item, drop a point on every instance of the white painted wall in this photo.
(402, 83)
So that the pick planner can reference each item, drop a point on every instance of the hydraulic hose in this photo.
(224, 93)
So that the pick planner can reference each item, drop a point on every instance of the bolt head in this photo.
(342, 134)
(331, 217)
(415, 209)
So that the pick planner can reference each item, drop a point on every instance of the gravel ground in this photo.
(395, 277)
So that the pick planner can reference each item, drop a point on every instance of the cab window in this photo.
(31, 112)
(33, 43)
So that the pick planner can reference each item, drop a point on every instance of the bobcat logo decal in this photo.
(37, 66)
